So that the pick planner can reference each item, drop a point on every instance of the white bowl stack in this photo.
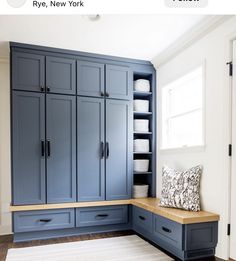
(140, 191)
(142, 85)
(141, 125)
(141, 105)
(141, 145)
(141, 165)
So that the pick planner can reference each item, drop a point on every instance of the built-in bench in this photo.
(187, 235)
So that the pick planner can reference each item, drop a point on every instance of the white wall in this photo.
(5, 180)
(214, 49)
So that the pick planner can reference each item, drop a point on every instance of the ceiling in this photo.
(134, 36)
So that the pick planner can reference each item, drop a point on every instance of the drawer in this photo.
(168, 231)
(98, 216)
(142, 220)
(27, 221)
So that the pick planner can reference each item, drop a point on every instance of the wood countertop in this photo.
(149, 204)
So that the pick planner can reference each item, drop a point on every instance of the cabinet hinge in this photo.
(228, 230)
(230, 68)
(230, 150)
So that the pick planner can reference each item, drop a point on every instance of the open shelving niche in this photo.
(146, 177)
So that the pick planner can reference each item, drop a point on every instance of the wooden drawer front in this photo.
(168, 231)
(43, 220)
(98, 216)
(142, 220)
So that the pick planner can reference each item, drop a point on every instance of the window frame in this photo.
(197, 147)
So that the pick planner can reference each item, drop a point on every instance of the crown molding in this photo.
(192, 36)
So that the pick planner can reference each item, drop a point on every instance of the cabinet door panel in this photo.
(119, 82)
(119, 139)
(90, 127)
(61, 163)
(28, 162)
(27, 71)
(90, 78)
(60, 75)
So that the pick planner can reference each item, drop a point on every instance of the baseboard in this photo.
(6, 239)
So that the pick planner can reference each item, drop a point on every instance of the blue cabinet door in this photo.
(61, 148)
(28, 71)
(28, 148)
(90, 79)
(90, 149)
(60, 75)
(119, 148)
(118, 82)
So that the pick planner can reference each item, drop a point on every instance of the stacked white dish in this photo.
(140, 191)
(141, 165)
(141, 105)
(142, 85)
(141, 145)
(141, 125)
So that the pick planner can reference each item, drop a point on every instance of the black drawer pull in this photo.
(48, 89)
(102, 94)
(102, 215)
(45, 220)
(42, 89)
(167, 230)
(107, 94)
(42, 148)
(142, 218)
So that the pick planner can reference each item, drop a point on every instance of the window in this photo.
(182, 111)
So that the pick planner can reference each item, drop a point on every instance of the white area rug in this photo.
(116, 248)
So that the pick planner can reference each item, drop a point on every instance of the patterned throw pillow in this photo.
(181, 189)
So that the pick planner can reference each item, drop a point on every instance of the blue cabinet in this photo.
(90, 78)
(100, 216)
(41, 73)
(28, 148)
(104, 80)
(104, 149)
(90, 149)
(42, 220)
(28, 71)
(118, 150)
(187, 242)
(119, 82)
(61, 148)
(60, 75)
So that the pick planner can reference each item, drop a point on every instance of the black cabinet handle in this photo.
(45, 220)
(102, 150)
(42, 148)
(42, 89)
(102, 94)
(107, 150)
(107, 94)
(142, 218)
(48, 89)
(48, 148)
(167, 230)
(102, 215)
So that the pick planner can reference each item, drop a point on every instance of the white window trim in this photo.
(186, 148)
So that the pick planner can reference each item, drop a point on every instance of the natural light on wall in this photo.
(182, 111)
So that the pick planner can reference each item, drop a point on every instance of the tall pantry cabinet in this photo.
(72, 126)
